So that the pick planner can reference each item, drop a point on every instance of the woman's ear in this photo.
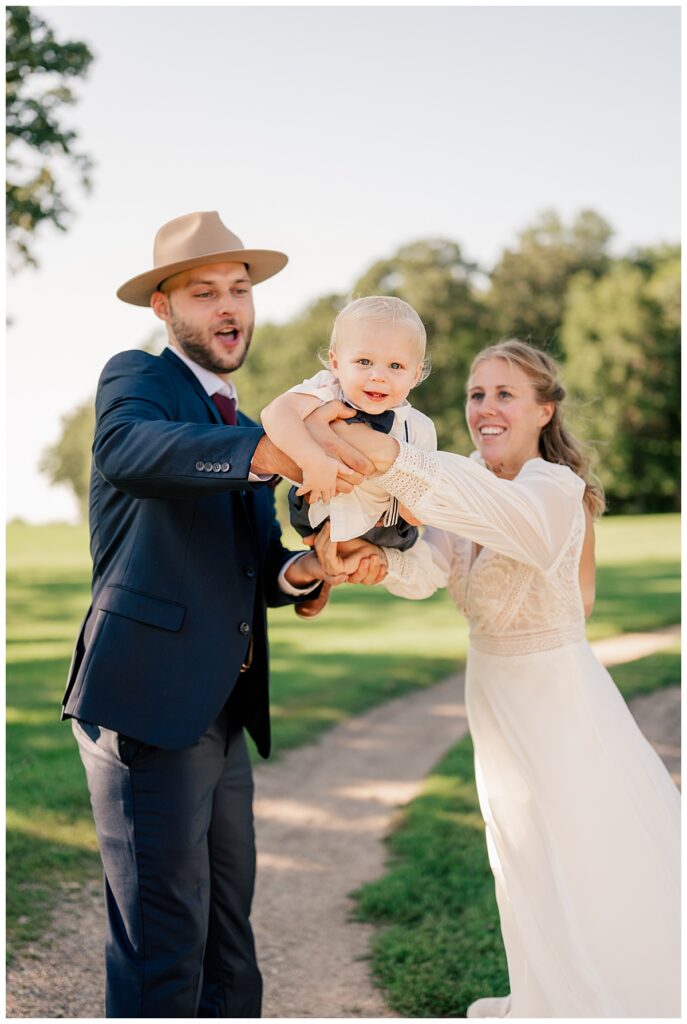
(546, 413)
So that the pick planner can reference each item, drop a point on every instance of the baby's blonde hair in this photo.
(382, 309)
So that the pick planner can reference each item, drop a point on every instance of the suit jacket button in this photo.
(216, 467)
(249, 570)
(244, 628)
(208, 467)
(225, 467)
(200, 465)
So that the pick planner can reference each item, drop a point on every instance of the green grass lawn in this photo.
(367, 648)
(363, 651)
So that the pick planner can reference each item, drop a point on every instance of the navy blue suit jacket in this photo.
(186, 555)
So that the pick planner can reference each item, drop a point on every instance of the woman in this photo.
(582, 818)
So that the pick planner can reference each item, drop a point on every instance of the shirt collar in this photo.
(211, 382)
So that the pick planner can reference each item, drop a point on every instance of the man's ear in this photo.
(160, 305)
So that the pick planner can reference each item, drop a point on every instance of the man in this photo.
(171, 661)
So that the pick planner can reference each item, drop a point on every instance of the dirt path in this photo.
(321, 814)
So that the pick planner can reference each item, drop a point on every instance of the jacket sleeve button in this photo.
(249, 570)
(200, 465)
(216, 467)
(208, 467)
(244, 628)
(225, 467)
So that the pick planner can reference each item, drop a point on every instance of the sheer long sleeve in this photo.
(427, 566)
(528, 519)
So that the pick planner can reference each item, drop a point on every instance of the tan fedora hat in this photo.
(193, 241)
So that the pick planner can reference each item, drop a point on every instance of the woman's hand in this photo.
(356, 444)
(334, 444)
(381, 449)
(363, 562)
(357, 560)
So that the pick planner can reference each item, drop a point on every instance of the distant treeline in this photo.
(614, 322)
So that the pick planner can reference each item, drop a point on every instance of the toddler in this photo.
(376, 357)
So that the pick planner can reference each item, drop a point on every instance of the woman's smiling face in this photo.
(503, 415)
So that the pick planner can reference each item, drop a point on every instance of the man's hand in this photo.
(320, 423)
(268, 459)
(307, 569)
(326, 550)
(312, 607)
(357, 561)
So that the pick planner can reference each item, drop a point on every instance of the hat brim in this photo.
(261, 263)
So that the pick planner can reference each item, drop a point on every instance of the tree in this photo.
(529, 283)
(621, 335)
(40, 149)
(69, 460)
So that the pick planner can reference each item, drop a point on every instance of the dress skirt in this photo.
(582, 826)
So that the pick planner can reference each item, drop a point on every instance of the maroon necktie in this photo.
(227, 408)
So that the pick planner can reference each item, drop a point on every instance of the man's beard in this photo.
(196, 343)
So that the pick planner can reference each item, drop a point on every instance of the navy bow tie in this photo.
(381, 421)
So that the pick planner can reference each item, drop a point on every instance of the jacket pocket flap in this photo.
(154, 611)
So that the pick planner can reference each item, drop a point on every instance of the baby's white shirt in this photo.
(352, 515)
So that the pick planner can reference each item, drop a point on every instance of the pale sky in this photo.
(335, 134)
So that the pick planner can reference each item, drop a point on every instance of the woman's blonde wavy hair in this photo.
(556, 443)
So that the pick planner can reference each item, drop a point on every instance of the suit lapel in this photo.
(242, 501)
(191, 378)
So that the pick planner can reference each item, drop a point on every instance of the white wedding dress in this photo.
(582, 818)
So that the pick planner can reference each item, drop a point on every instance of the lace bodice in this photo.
(520, 592)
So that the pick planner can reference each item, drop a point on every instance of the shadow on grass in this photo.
(51, 837)
(50, 833)
(304, 705)
(39, 870)
(648, 674)
(637, 597)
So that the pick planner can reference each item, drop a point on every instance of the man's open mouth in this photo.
(228, 334)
